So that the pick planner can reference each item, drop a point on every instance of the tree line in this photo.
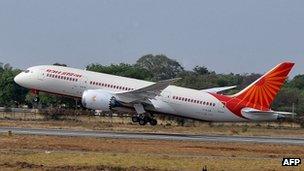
(153, 68)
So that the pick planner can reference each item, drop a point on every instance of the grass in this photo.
(78, 153)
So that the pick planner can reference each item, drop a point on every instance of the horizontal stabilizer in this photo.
(258, 112)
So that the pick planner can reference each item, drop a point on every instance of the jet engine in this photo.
(99, 100)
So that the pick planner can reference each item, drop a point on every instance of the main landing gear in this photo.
(142, 116)
(143, 120)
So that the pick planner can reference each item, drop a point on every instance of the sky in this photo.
(238, 36)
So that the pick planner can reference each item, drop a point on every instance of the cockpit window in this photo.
(27, 71)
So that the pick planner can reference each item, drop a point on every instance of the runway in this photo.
(155, 136)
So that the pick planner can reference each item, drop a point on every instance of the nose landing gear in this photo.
(35, 100)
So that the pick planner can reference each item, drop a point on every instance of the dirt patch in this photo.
(53, 143)
(26, 165)
(29, 152)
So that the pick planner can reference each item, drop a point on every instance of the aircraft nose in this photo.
(18, 79)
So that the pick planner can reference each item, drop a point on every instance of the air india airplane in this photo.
(106, 92)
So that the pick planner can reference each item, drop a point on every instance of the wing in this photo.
(218, 89)
(148, 92)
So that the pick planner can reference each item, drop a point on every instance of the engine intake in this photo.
(99, 100)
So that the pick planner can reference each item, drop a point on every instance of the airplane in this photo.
(105, 92)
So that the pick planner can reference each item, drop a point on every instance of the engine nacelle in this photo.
(98, 100)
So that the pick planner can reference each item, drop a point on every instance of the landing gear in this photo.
(153, 122)
(143, 120)
(142, 116)
(36, 99)
(135, 119)
(36, 94)
(35, 102)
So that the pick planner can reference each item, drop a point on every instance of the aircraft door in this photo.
(82, 85)
(222, 106)
(40, 74)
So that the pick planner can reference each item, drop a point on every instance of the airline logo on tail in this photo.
(260, 94)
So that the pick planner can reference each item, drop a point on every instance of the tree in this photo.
(287, 97)
(49, 100)
(160, 66)
(297, 82)
(248, 79)
(11, 94)
(122, 69)
(7, 66)
(201, 70)
(59, 64)
(1, 67)
(229, 79)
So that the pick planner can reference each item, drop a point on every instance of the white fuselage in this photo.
(73, 82)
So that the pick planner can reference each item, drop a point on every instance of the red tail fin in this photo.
(261, 93)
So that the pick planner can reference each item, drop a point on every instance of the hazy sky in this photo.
(226, 36)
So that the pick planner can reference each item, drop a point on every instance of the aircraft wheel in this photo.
(135, 119)
(142, 121)
(36, 99)
(153, 122)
